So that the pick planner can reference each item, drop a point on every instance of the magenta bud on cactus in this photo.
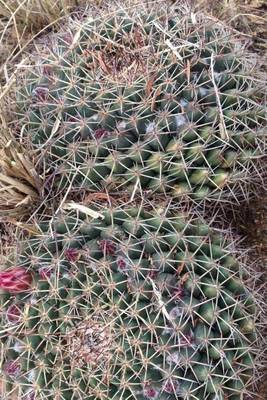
(100, 133)
(122, 265)
(72, 119)
(72, 254)
(45, 272)
(153, 273)
(41, 93)
(48, 70)
(186, 340)
(171, 386)
(15, 280)
(12, 368)
(13, 314)
(149, 392)
(178, 292)
(108, 247)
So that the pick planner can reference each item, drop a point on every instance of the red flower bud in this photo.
(15, 280)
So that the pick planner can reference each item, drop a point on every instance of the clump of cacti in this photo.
(145, 101)
(137, 304)
(138, 301)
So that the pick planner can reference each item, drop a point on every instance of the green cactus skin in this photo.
(138, 304)
(145, 101)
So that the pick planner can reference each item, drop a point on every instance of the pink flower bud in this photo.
(40, 93)
(171, 386)
(186, 340)
(108, 247)
(72, 255)
(15, 280)
(149, 392)
(178, 292)
(12, 368)
(100, 132)
(153, 273)
(122, 265)
(72, 119)
(13, 314)
(48, 70)
(45, 272)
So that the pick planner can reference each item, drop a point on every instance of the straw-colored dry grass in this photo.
(19, 182)
(247, 16)
(23, 20)
(36, 14)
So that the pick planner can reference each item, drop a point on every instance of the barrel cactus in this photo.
(134, 304)
(142, 100)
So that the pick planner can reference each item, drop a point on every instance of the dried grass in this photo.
(21, 21)
(36, 14)
(247, 16)
(19, 182)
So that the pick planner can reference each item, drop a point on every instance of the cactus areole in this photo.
(140, 305)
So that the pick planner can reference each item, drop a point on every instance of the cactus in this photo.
(137, 304)
(146, 101)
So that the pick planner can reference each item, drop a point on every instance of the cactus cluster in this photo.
(134, 301)
(142, 102)
(139, 305)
